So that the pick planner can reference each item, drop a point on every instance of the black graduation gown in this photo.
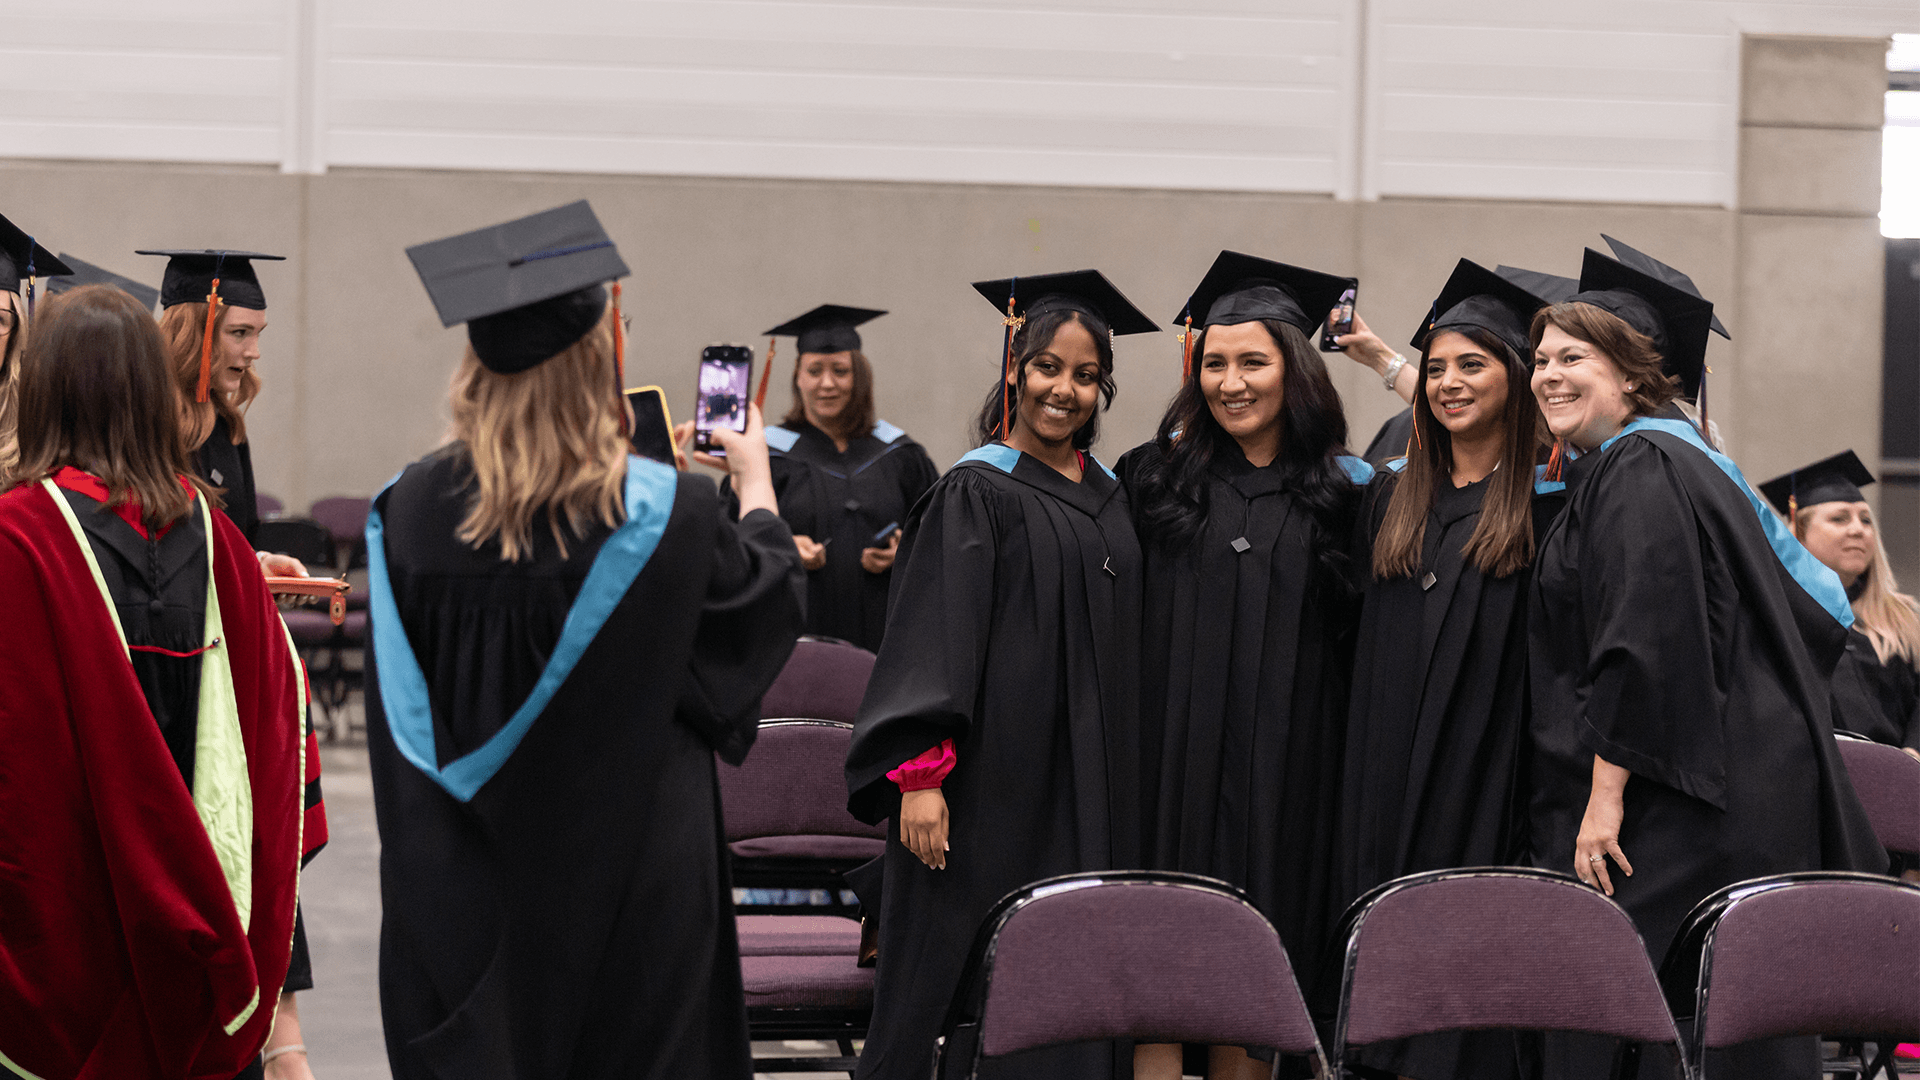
(847, 497)
(230, 468)
(1391, 440)
(1244, 701)
(1874, 700)
(572, 917)
(1670, 638)
(1432, 777)
(1014, 633)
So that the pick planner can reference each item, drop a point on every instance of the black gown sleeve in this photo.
(926, 681)
(917, 476)
(1655, 705)
(754, 613)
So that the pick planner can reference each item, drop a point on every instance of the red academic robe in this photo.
(121, 951)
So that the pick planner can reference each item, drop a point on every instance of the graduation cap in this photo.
(527, 289)
(828, 328)
(1241, 288)
(86, 273)
(1477, 297)
(193, 273)
(21, 258)
(1552, 288)
(1653, 267)
(1677, 318)
(1085, 291)
(1835, 479)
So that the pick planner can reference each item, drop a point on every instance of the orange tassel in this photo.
(206, 345)
(620, 362)
(1186, 351)
(1557, 460)
(1006, 371)
(760, 398)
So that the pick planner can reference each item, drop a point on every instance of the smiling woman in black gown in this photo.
(999, 729)
(1245, 503)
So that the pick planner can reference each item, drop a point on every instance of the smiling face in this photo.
(1062, 388)
(825, 384)
(1582, 395)
(1841, 535)
(1465, 387)
(1242, 373)
(237, 348)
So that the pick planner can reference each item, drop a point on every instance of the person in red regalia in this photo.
(151, 751)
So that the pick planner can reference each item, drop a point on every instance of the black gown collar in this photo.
(1251, 481)
(1089, 496)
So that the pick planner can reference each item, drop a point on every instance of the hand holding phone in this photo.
(652, 426)
(726, 381)
(1339, 322)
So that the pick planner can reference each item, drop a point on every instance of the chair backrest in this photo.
(822, 680)
(1495, 948)
(1828, 954)
(792, 784)
(345, 516)
(303, 538)
(1887, 779)
(268, 505)
(1154, 957)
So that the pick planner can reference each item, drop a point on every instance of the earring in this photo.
(1629, 388)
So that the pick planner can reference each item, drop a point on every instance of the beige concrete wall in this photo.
(356, 364)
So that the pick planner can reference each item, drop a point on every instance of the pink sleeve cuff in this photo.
(928, 770)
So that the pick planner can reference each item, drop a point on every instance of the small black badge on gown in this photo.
(1427, 582)
(1107, 565)
(1240, 545)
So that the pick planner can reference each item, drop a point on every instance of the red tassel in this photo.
(1186, 351)
(1557, 460)
(620, 361)
(760, 398)
(1006, 371)
(206, 345)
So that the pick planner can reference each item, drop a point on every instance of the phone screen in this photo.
(1338, 323)
(726, 388)
(652, 424)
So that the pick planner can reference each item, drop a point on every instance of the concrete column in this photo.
(1804, 376)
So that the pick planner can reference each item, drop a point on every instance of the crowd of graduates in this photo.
(1543, 621)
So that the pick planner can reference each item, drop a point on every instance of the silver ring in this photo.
(1598, 858)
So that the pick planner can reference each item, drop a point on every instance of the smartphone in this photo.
(880, 538)
(1338, 323)
(726, 388)
(652, 424)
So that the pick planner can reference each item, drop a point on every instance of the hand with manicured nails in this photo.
(923, 826)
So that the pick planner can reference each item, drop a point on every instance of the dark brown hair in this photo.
(95, 393)
(183, 326)
(857, 418)
(1502, 540)
(1633, 353)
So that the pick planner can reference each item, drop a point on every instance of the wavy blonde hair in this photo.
(545, 440)
(183, 327)
(1885, 614)
(10, 388)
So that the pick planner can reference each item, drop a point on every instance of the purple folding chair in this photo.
(1140, 955)
(345, 516)
(268, 506)
(1887, 779)
(1494, 948)
(824, 679)
(1823, 953)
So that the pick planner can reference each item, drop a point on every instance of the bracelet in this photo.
(1392, 374)
(279, 1051)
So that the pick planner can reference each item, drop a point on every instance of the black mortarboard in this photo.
(22, 257)
(527, 289)
(1552, 288)
(86, 273)
(1835, 479)
(828, 328)
(1653, 267)
(191, 273)
(1241, 288)
(1677, 319)
(1481, 298)
(1086, 291)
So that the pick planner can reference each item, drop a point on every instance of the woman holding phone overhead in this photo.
(999, 729)
(563, 637)
(1245, 503)
(1681, 642)
(845, 478)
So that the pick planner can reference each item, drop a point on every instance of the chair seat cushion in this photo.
(308, 626)
(810, 847)
(806, 982)
(798, 935)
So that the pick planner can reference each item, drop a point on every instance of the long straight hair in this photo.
(96, 394)
(544, 440)
(857, 418)
(10, 384)
(1502, 540)
(1313, 434)
(184, 326)
(1034, 337)
(1881, 611)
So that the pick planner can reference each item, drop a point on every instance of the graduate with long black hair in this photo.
(1432, 776)
(1245, 503)
(1681, 642)
(999, 731)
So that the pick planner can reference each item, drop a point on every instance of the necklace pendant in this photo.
(1240, 545)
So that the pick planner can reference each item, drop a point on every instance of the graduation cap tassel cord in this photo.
(620, 363)
(1557, 460)
(29, 275)
(1006, 370)
(1186, 350)
(766, 369)
(206, 344)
